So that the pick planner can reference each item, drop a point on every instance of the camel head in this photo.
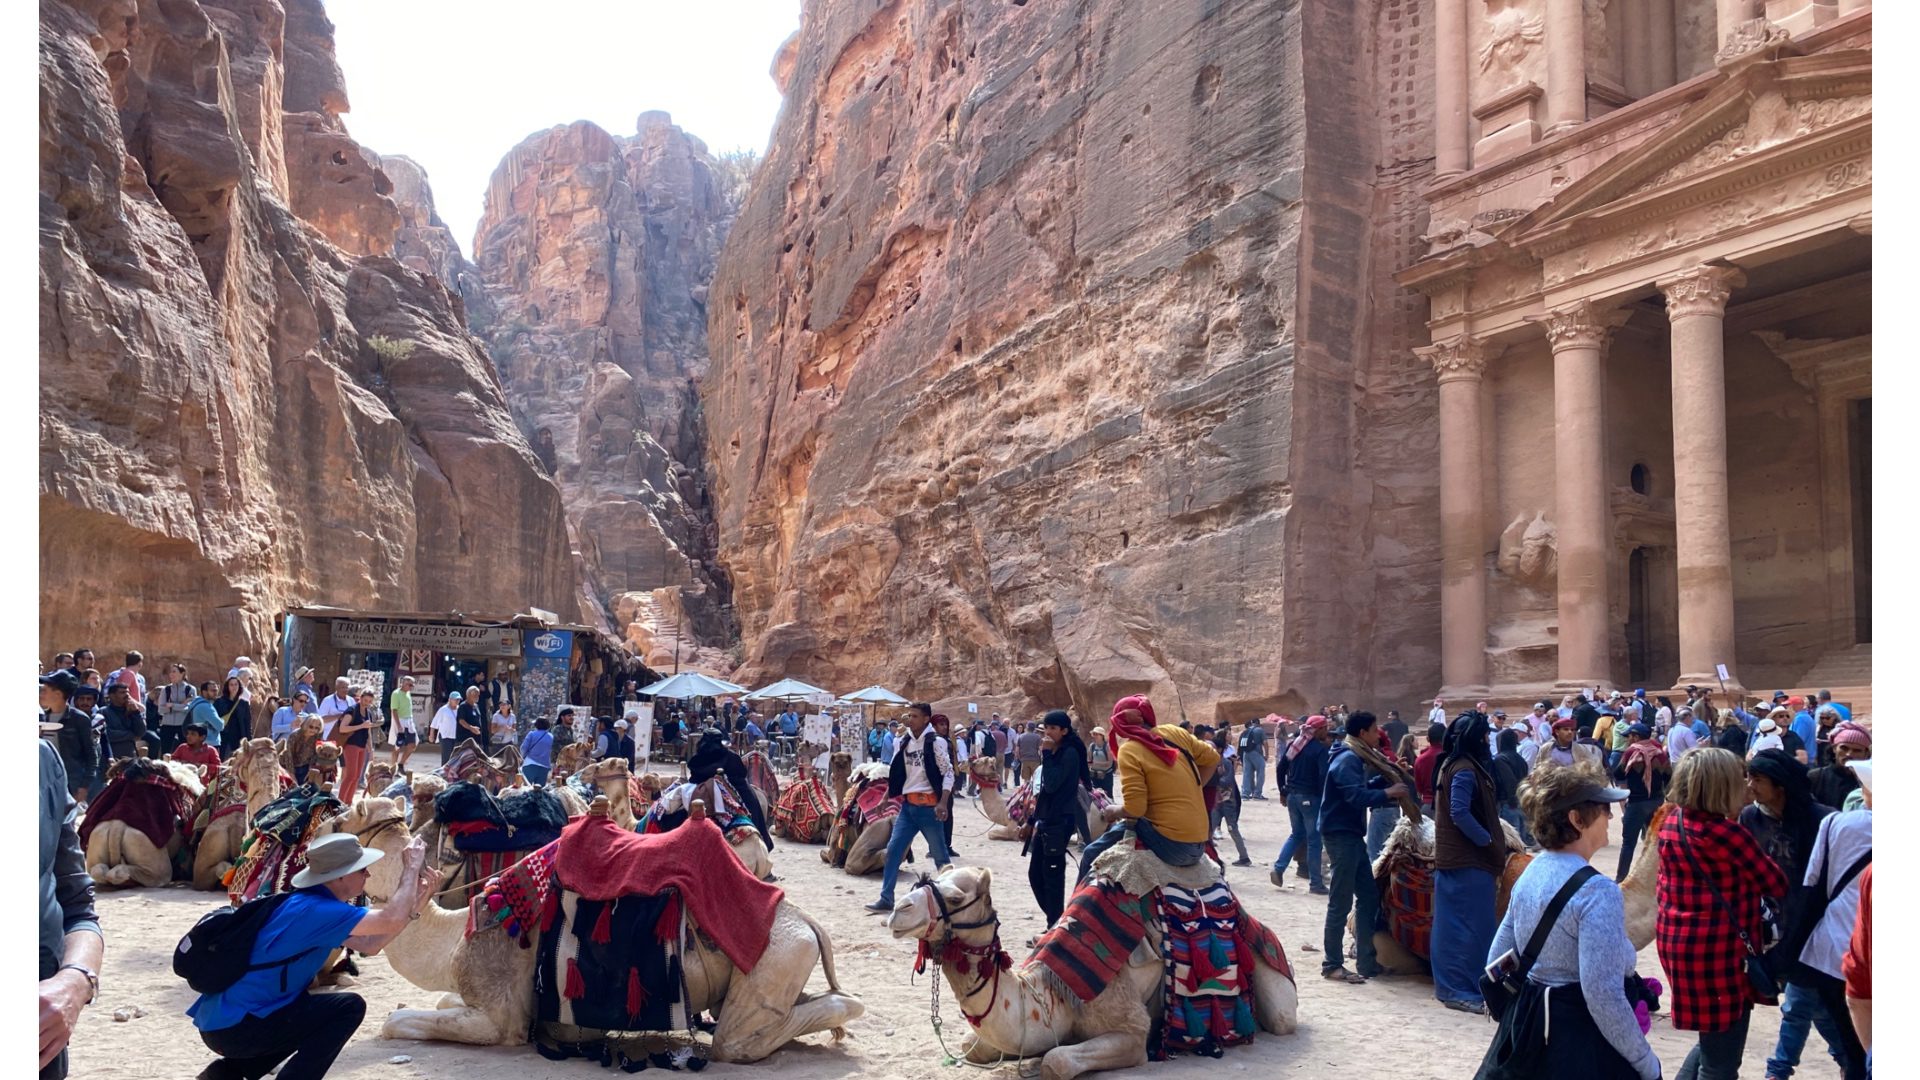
(958, 899)
(986, 769)
(839, 765)
(326, 755)
(378, 824)
(424, 788)
(379, 776)
(609, 776)
(568, 760)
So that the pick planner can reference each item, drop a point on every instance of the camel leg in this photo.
(451, 1001)
(766, 1009)
(462, 1025)
(1114, 1050)
(977, 1052)
(145, 864)
(1276, 1000)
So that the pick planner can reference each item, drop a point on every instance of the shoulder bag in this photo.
(1501, 993)
(1759, 979)
(1519, 1047)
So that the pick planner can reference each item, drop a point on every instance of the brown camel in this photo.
(253, 775)
(868, 851)
(986, 773)
(759, 1011)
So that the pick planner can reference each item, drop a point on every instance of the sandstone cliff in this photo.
(595, 252)
(246, 401)
(1054, 357)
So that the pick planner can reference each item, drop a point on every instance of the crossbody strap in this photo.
(1854, 871)
(1686, 845)
(1552, 915)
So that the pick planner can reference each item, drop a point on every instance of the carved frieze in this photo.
(1508, 40)
(1756, 39)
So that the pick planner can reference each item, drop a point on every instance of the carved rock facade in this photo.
(1055, 357)
(219, 436)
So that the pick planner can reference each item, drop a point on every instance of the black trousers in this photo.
(1047, 867)
(1833, 995)
(312, 1030)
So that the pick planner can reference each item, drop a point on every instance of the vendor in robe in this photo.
(1162, 794)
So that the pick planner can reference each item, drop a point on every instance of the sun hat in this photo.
(333, 857)
(1767, 725)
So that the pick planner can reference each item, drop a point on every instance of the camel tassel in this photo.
(668, 925)
(603, 926)
(576, 987)
(636, 994)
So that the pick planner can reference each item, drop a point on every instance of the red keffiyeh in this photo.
(1123, 726)
(1314, 725)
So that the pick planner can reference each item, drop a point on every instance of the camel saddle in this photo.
(478, 820)
(469, 762)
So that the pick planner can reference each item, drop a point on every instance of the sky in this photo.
(455, 84)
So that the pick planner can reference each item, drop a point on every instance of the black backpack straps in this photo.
(1552, 915)
(1860, 864)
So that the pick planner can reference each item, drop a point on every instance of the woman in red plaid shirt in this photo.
(1699, 947)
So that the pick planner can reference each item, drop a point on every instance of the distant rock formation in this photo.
(254, 390)
(1055, 356)
(595, 252)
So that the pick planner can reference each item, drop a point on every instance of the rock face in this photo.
(596, 252)
(246, 401)
(1055, 357)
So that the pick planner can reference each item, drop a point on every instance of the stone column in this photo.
(1578, 334)
(1460, 362)
(1848, 7)
(1731, 13)
(1697, 307)
(1637, 54)
(1450, 140)
(1665, 63)
(1566, 65)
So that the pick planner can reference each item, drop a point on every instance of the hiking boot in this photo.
(1243, 862)
(879, 907)
(1278, 881)
(1319, 890)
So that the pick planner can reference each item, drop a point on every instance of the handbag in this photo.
(1500, 993)
(1759, 978)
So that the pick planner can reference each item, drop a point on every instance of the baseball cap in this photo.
(62, 681)
(1590, 792)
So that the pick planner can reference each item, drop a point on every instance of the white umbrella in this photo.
(690, 684)
(876, 695)
(785, 689)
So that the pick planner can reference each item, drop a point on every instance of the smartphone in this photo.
(1507, 964)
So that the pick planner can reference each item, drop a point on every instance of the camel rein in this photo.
(988, 963)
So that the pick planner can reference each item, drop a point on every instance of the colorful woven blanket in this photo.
(601, 861)
(871, 804)
(613, 965)
(1092, 941)
(760, 773)
(276, 849)
(1406, 899)
(805, 810)
(520, 896)
(1209, 992)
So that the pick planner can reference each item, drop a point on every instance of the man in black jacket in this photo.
(126, 723)
(79, 750)
(1056, 812)
(921, 774)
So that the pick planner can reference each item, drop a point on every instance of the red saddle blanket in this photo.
(601, 861)
(148, 801)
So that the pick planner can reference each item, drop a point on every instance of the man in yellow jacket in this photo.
(1163, 793)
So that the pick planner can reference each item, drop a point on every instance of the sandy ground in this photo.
(1392, 1027)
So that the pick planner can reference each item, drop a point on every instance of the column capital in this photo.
(1581, 324)
(1459, 357)
(1702, 290)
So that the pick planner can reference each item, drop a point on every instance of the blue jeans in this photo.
(1171, 852)
(1253, 775)
(1800, 1013)
(1303, 812)
(1380, 823)
(1512, 816)
(535, 774)
(910, 820)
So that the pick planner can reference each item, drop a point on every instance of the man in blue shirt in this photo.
(789, 723)
(1357, 780)
(256, 1023)
(1826, 701)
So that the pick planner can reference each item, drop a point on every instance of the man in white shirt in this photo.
(340, 701)
(1437, 714)
(446, 726)
(928, 796)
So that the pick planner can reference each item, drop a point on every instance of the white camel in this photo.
(1020, 1015)
(120, 854)
(759, 1011)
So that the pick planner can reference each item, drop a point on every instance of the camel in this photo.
(119, 853)
(746, 841)
(986, 773)
(1417, 836)
(839, 773)
(376, 822)
(253, 774)
(759, 1011)
(868, 851)
(615, 781)
(1021, 1015)
(569, 760)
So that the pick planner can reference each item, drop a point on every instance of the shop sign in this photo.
(394, 637)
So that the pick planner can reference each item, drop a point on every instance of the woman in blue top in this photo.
(256, 1023)
(537, 751)
(1591, 1030)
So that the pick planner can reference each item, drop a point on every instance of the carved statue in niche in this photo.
(1529, 551)
(1599, 39)
(1512, 32)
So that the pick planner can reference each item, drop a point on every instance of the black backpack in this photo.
(218, 951)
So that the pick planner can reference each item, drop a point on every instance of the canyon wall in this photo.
(1055, 357)
(254, 391)
(595, 252)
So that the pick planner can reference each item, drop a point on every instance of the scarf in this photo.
(1468, 738)
(1121, 726)
(1641, 755)
(1314, 726)
(1379, 763)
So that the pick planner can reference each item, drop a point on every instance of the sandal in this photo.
(1341, 974)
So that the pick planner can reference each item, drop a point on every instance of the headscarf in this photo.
(1852, 734)
(1125, 727)
(1642, 753)
(1796, 818)
(712, 756)
(1467, 738)
(1314, 725)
